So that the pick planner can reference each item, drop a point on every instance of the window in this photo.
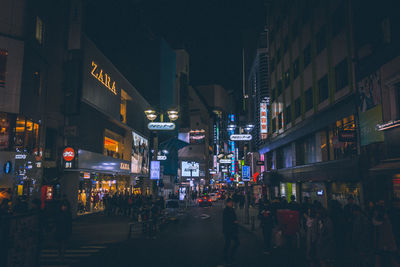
(274, 125)
(113, 146)
(26, 133)
(285, 45)
(123, 106)
(5, 131)
(297, 107)
(272, 64)
(287, 78)
(288, 114)
(307, 55)
(37, 83)
(3, 67)
(296, 68)
(321, 40)
(279, 85)
(309, 99)
(341, 75)
(338, 19)
(323, 88)
(39, 33)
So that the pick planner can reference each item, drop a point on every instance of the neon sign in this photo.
(159, 126)
(241, 137)
(104, 78)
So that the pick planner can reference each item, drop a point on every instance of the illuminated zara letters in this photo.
(103, 77)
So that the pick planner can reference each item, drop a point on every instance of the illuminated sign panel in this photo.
(224, 161)
(103, 77)
(241, 137)
(124, 166)
(190, 169)
(69, 154)
(161, 126)
(155, 170)
(263, 120)
(140, 154)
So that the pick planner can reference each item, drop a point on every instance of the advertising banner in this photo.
(140, 154)
(246, 173)
(190, 169)
(263, 120)
(155, 170)
(368, 121)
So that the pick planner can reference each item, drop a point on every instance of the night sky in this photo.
(212, 31)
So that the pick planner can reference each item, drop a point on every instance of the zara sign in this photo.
(161, 126)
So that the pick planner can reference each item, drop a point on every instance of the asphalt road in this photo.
(196, 240)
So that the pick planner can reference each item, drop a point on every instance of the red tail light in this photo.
(200, 200)
(209, 200)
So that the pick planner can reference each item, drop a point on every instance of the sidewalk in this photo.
(253, 225)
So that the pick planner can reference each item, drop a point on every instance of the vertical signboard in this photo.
(246, 173)
(263, 120)
(155, 170)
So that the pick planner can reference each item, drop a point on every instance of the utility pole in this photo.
(246, 207)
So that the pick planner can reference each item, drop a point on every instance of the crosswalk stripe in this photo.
(93, 247)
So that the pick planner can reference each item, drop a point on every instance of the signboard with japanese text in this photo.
(263, 120)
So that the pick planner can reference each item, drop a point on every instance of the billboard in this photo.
(190, 169)
(155, 170)
(246, 173)
(140, 154)
(263, 120)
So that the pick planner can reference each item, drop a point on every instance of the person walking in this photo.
(230, 231)
(267, 222)
(63, 227)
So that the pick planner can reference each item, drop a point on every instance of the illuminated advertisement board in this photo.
(140, 154)
(155, 170)
(190, 169)
(263, 120)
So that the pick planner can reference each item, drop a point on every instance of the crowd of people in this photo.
(328, 237)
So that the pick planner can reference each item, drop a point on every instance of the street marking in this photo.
(93, 247)
(204, 216)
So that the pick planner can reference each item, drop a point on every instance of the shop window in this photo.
(123, 110)
(342, 149)
(323, 142)
(307, 55)
(3, 67)
(341, 75)
(113, 145)
(279, 158)
(39, 32)
(26, 134)
(323, 88)
(269, 160)
(338, 19)
(288, 114)
(309, 99)
(296, 68)
(287, 156)
(297, 107)
(37, 83)
(321, 40)
(5, 131)
(280, 120)
(287, 78)
(310, 150)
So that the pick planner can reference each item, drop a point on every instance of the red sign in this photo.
(69, 154)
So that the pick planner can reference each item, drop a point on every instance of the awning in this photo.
(387, 166)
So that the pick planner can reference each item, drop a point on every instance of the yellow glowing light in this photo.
(105, 79)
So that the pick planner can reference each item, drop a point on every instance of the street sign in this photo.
(161, 126)
(246, 173)
(241, 137)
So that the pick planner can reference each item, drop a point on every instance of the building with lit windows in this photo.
(31, 76)
(313, 139)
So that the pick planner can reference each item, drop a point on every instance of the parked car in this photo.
(204, 201)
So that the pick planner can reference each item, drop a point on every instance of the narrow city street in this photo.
(196, 240)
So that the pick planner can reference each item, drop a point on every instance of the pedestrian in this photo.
(63, 227)
(230, 231)
(384, 242)
(266, 222)
(325, 242)
(361, 242)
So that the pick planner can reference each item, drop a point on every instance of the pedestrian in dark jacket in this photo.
(230, 230)
(267, 222)
(63, 227)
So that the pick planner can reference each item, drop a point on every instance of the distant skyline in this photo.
(212, 31)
